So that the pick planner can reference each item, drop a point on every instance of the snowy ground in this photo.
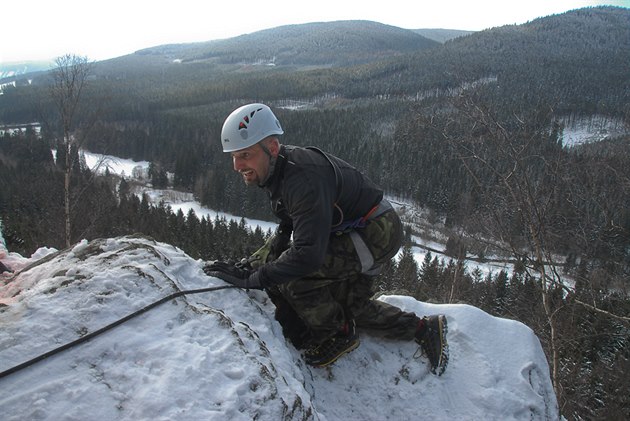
(221, 356)
(592, 129)
(176, 200)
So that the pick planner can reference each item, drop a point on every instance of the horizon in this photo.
(148, 24)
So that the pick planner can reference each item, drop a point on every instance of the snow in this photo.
(15, 261)
(592, 129)
(220, 355)
(119, 166)
(176, 200)
(186, 202)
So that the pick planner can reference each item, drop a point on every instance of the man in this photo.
(342, 232)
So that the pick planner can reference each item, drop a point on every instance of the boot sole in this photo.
(328, 362)
(444, 354)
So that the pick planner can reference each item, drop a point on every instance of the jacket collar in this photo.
(277, 169)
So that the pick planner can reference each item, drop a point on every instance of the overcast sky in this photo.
(42, 29)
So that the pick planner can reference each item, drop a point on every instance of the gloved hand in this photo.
(233, 274)
(272, 249)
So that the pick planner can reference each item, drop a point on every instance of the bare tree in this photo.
(518, 169)
(69, 79)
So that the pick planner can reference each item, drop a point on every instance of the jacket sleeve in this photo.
(309, 201)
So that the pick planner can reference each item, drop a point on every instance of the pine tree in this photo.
(430, 277)
(406, 273)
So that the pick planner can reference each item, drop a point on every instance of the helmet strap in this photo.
(272, 163)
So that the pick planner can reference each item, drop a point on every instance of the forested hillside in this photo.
(471, 130)
(311, 44)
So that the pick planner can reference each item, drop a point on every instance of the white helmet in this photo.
(247, 126)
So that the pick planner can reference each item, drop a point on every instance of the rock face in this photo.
(186, 357)
(221, 355)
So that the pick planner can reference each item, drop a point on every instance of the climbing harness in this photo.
(108, 327)
(341, 227)
(368, 266)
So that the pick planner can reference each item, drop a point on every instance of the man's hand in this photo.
(236, 275)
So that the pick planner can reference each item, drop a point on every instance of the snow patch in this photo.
(592, 129)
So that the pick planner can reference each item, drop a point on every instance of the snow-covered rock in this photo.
(220, 355)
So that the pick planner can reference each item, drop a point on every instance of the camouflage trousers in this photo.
(341, 290)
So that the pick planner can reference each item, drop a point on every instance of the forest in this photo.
(470, 130)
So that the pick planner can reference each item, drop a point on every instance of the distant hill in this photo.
(578, 60)
(442, 35)
(321, 43)
(21, 68)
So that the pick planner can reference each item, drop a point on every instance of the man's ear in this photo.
(273, 144)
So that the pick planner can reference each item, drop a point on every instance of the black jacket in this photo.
(303, 190)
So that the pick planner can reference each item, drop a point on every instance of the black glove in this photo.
(236, 275)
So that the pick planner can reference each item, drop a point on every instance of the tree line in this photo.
(31, 208)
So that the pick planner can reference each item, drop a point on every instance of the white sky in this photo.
(43, 29)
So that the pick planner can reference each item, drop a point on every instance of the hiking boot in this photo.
(431, 336)
(331, 349)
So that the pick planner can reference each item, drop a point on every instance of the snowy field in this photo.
(176, 200)
(592, 129)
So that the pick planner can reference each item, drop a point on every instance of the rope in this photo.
(108, 327)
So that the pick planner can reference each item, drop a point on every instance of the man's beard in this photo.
(272, 166)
